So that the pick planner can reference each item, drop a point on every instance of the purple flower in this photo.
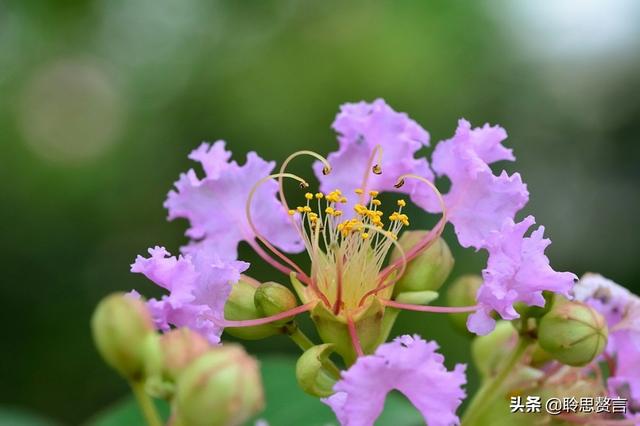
(198, 286)
(517, 271)
(216, 205)
(621, 309)
(409, 365)
(361, 127)
(478, 202)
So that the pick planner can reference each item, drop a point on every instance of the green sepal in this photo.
(333, 329)
(417, 297)
(312, 377)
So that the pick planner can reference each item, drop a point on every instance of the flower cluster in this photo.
(353, 289)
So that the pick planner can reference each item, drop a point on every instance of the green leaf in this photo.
(10, 416)
(286, 403)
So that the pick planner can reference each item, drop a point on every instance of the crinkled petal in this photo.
(478, 202)
(199, 286)
(361, 127)
(410, 365)
(517, 271)
(216, 205)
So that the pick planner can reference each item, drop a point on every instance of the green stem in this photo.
(491, 389)
(293, 331)
(146, 404)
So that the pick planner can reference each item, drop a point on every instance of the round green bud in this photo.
(428, 270)
(462, 292)
(177, 349)
(241, 306)
(220, 388)
(488, 351)
(120, 327)
(272, 298)
(573, 333)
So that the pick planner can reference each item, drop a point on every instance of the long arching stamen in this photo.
(431, 236)
(325, 171)
(266, 320)
(303, 277)
(403, 265)
(353, 333)
(423, 308)
(376, 168)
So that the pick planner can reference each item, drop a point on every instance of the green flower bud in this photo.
(272, 298)
(312, 377)
(371, 325)
(221, 388)
(488, 351)
(462, 292)
(241, 306)
(536, 311)
(176, 349)
(120, 327)
(573, 333)
(429, 270)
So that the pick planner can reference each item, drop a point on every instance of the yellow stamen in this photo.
(402, 203)
(308, 196)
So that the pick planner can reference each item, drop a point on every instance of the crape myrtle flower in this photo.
(621, 309)
(198, 286)
(409, 365)
(517, 271)
(347, 233)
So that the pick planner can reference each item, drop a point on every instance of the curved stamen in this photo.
(325, 171)
(371, 167)
(403, 265)
(259, 236)
(353, 333)
(431, 236)
(423, 308)
(266, 320)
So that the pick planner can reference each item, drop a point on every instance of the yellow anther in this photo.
(291, 212)
(300, 209)
(402, 203)
(337, 191)
(329, 210)
(374, 194)
(364, 235)
(308, 196)
(319, 195)
(376, 202)
(359, 191)
(343, 199)
(306, 209)
(378, 213)
(337, 213)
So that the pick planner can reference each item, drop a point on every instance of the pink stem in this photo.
(266, 320)
(355, 340)
(422, 308)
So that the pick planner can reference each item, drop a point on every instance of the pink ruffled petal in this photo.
(216, 205)
(517, 271)
(198, 287)
(410, 365)
(478, 201)
(361, 127)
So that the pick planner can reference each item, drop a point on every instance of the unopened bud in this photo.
(220, 388)
(120, 326)
(573, 333)
(462, 292)
(241, 306)
(428, 270)
(177, 349)
(272, 298)
(488, 351)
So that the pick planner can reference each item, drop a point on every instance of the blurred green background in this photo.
(102, 100)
